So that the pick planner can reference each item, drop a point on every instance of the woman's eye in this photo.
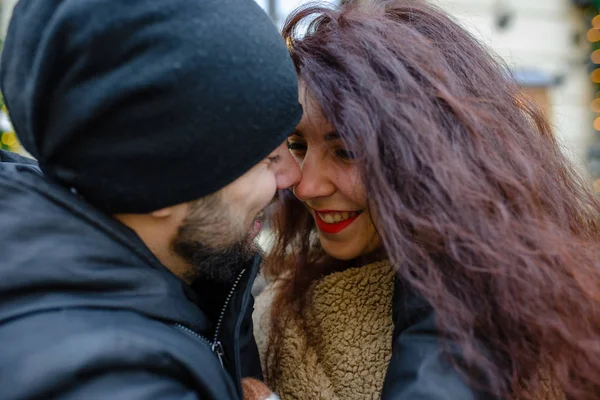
(345, 155)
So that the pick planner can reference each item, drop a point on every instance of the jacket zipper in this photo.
(215, 346)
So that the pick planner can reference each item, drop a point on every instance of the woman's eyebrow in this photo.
(331, 136)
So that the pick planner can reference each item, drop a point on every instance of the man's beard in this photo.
(221, 265)
(212, 242)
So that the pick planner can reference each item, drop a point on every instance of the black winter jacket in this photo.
(88, 312)
(418, 369)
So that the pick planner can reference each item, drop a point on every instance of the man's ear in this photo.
(163, 212)
(177, 212)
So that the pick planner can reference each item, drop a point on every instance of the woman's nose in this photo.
(315, 181)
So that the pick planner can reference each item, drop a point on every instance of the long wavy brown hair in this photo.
(478, 209)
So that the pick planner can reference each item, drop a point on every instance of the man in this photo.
(126, 258)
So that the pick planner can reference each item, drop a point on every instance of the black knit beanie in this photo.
(143, 104)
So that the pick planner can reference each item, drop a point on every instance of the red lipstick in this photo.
(335, 227)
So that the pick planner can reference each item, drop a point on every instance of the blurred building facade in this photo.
(546, 43)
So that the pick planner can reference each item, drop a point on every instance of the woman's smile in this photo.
(334, 221)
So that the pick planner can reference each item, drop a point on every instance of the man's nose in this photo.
(288, 172)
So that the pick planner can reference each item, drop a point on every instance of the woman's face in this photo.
(330, 186)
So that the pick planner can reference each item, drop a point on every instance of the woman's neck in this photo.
(369, 258)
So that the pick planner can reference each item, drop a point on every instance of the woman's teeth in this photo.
(335, 217)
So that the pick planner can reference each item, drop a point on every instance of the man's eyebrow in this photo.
(331, 136)
(274, 159)
(296, 132)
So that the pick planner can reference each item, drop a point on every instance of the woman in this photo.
(439, 245)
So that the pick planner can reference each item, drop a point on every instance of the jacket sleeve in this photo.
(131, 385)
(106, 354)
(418, 369)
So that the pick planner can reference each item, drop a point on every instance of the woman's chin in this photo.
(341, 251)
(350, 250)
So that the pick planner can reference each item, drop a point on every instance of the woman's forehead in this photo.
(313, 121)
